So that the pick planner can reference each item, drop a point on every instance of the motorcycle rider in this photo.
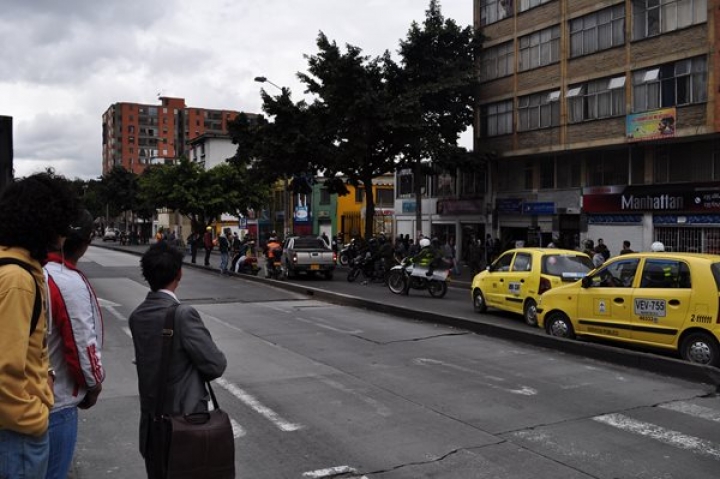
(271, 252)
(429, 255)
(386, 253)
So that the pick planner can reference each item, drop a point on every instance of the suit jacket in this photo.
(195, 359)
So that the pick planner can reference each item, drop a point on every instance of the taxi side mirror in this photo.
(586, 281)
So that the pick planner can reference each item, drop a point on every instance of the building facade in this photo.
(603, 119)
(136, 135)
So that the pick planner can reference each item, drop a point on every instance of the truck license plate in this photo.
(650, 307)
(314, 266)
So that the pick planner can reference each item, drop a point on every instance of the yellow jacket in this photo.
(25, 395)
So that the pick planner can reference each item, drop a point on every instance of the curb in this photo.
(634, 359)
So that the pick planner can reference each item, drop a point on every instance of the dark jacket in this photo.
(195, 359)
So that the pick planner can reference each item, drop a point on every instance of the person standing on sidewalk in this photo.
(75, 342)
(224, 248)
(208, 244)
(35, 212)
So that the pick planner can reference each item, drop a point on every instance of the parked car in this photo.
(111, 234)
(308, 254)
(662, 300)
(515, 281)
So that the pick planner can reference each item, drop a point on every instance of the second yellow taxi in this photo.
(515, 281)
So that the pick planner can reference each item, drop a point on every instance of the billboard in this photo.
(651, 125)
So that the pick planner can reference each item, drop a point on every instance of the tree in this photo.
(435, 88)
(201, 195)
(119, 191)
(356, 118)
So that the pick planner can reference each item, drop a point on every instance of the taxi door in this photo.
(661, 303)
(495, 281)
(517, 282)
(605, 307)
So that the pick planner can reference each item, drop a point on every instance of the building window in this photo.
(596, 99)
(384, 197)
(698, 162)
(529, 175)
(492, 11)
(547, 173)
(405, 184)
(605, 168)
(653, 17)
(568, 172)
(540, 48)
(131, 128)
(597, 31)
(324, 196)
(498, 61)
(541, 110)
(680, 83)
(359, 195)
(528, 4)
(473, 183)
(497, 119)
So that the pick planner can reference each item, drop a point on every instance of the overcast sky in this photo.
(64, 62)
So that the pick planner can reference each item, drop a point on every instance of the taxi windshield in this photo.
(564, 264)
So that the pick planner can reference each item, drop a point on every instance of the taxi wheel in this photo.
(700, 348)
(559, 325)
(479, 302)
(530, 313)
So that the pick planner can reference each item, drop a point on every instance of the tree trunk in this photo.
(417, 186)
(369, 208)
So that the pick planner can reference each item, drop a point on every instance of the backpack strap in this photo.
(37, 306)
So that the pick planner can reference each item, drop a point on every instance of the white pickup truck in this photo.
(308, 254)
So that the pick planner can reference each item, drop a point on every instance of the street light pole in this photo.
(287, 210)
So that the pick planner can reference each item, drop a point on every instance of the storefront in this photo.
(540, 220)
(684, 217)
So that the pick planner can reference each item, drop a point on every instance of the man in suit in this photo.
(195, 356)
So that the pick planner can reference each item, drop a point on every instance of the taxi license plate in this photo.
(314, 266)
(650, 307)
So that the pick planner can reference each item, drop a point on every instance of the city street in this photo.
(319, 388)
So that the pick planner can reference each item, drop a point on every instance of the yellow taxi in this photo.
(517, 278)
(661, 300)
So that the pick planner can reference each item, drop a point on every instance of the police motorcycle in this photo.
(408, 275)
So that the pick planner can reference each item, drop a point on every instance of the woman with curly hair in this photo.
(35, 213)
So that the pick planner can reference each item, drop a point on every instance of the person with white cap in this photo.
(657, 247)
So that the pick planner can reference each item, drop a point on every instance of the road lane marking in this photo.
(666, 436)
(331, 472)
(238, 430)
(250, 401)
(109, 306)
(693, 410)
(319, 322)
(380, 408)
(522, 390)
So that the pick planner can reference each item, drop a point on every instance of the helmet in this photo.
(657, 246)
(272, 238)
(209, 228)
(424, 243)
(435, 242)
(372, 242)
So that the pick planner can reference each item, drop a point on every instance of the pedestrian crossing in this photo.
(660, 440)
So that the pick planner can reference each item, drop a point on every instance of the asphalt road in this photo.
(319, 388)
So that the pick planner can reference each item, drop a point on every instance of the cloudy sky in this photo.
(64, 62)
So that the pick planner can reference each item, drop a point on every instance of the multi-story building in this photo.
(604, 119)
(136, 135)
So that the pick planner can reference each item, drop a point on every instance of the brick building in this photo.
(136, 135)
(604, 120)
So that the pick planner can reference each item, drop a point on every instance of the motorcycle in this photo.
(245, 265)
(274, 264)
(348, 253)
(372, 271)
(407, 275)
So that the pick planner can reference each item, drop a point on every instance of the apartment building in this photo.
(604, 120)
(136, 135)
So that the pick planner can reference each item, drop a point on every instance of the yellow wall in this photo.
(347, 205)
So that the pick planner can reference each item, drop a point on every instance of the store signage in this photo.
(459, 207)
(661, 198)
(409, 207)
(301, 214)
(651, 125)
(538, 208)
(509, 205)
